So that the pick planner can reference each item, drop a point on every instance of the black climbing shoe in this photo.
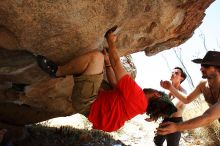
(110, 30)
(47, 65)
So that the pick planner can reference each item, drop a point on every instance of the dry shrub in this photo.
(212, 134)
(39, 135)
(208, 135)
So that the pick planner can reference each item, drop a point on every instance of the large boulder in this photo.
(63, 29)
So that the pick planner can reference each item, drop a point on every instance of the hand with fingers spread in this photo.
(167, 128)
(165, 84)
(111, 37)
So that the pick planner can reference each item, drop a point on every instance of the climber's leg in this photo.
(86, 64)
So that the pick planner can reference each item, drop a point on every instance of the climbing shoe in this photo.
(47, 65)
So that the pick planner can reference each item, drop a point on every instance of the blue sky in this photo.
(150, 70)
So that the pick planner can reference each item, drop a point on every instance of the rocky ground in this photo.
(76, 131)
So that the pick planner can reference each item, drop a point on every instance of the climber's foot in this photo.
(47, 65)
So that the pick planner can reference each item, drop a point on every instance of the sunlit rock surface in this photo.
(63, 29)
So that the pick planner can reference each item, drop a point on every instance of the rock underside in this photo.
(64, 29)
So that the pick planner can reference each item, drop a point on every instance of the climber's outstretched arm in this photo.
(114, 57)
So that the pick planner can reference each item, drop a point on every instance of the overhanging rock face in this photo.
(63, 29)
